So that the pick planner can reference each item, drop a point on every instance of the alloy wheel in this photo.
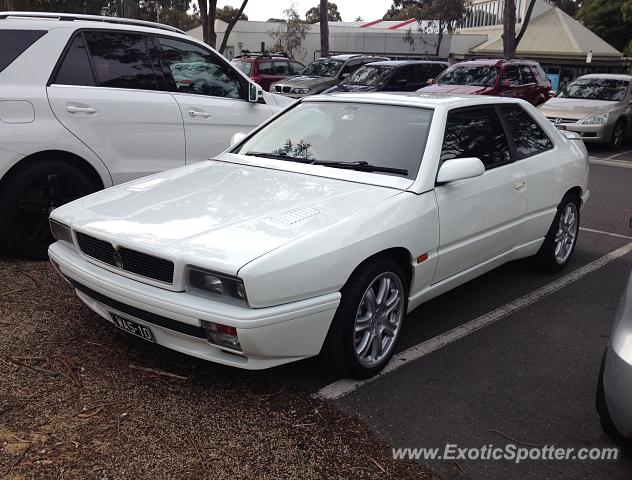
(566, 233)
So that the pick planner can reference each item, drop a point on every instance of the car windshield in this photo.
(380, 135)
(596, 89)
(245, 67)
(371, 75)
(324, 67)
(479, 75)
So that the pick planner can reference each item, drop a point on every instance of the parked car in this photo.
(393, 75)
(319, 231)
(523, 79)
(321, 74)
(596, 106)
(614, 392)
(266, 68)
(109, 100)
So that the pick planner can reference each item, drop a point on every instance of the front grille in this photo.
(558, 120)
(286, 89)
(126, 259)
(277, 88)
(149, 317)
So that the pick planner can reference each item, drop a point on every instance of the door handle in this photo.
(520, 185)
(198, 113)
(77, 109)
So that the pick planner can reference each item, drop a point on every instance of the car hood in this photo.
(471, 89)
(275, 100)
(218, 215)
(303, 81)
(575, 108)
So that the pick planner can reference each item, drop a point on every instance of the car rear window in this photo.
(245, 67)
(13, 43)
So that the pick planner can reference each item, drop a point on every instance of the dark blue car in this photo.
(392, 76)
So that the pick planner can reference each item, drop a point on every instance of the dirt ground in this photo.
(81, 400)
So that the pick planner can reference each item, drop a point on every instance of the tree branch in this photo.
(230, 26)
(525, 23)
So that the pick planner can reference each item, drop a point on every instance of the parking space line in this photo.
(343, 387)
(610, 163)
(601, 232)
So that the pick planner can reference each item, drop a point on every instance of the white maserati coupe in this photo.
(318, 231)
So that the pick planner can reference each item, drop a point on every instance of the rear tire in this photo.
(559, 243)
(365, 330)
(29, 195)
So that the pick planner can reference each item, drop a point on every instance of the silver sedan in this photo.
(614, 394)
(597, 106)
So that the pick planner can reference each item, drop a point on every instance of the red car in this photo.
(506, 78)
(267, 68)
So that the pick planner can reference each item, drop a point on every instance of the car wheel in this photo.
(28, 197)
(368, 321)
(559, 243)
(605, 419)
(618, 135)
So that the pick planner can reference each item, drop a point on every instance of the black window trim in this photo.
(512, 147)
(41, 33)
(242, 81)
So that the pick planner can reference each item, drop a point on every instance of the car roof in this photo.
(413, 99)
(50, 20)
(346, 57)
(608, 76)
(397, 63)
(497, 62)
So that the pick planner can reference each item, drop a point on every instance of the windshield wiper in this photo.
(279, 156)
(361, 166)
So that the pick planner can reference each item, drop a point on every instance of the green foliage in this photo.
(228, 13)
(289, 34)
(401, 13)
(313, 14)
(606, 19)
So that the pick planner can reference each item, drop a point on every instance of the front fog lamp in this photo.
(60, 231)
(221, 335)
(300, 91)
(213, 283)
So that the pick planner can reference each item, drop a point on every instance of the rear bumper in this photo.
(268, 336)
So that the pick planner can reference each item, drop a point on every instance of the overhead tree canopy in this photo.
(228, 13)
(610, 19)
(313, 14)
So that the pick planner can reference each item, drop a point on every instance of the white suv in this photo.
(88, 102)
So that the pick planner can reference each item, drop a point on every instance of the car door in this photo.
(529, 85)
(510, 82)
(480, 218)
(542, 164)
(105, 91)
(213, 101)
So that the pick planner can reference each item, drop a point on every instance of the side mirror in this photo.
(460, 169)
(430, 81)
(255, 93)
(344, 75)
(236, 138)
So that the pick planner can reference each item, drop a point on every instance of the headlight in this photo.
(216, 284)
(300, 91)
(597, 119)
(60, 231)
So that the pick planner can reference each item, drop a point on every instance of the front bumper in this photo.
(590, 133)
(268, 336)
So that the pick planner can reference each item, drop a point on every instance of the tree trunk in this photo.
(439, 38)
(204, 17)
(509, 29)
(324, 28)
(210, 20)
(230, 26)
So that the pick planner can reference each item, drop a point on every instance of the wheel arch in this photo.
(576, 191)
(399, 255)
(61, 155)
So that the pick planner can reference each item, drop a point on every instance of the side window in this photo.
(196, 70)
(437, 70)
(527, 75)
(15, 42)
(476, 132)
(121, 60)
(281, 68)
(75, 68)
(511, 74)
(528, 136)
(350, 67)
(265, 68)
(296, 68)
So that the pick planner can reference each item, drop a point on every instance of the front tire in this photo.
(618, 135)
(559, 243)
(369, 319)
(28, 197)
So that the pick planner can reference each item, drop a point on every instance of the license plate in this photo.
(130, 326)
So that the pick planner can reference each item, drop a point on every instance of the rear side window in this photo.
(75, 68)
(13, 43)
(121, 60)
(511, 74)
(296, 68)
(527, 75)
(476, 132)
(528, 136)
(265, 68)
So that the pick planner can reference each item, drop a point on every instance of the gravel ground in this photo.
(79, 400)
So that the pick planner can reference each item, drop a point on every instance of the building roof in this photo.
(377, 24)
(553, 33)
